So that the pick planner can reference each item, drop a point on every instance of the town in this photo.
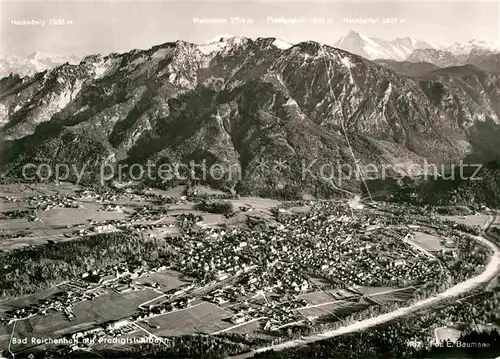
(264, 267)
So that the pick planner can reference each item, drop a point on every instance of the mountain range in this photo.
(399, 54)
(243, 101)
(33, 63)
(485, 55)
(374, 48)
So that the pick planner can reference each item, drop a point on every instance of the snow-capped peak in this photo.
(222, 44)
(218, 38)
(376, 48)
(465, 48)
(282, 45)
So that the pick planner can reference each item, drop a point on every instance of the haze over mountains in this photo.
(33, 63)
(409, 50)
(239, 101)
(398, 54)
(485, 55)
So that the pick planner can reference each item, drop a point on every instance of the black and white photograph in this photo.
(249, 179)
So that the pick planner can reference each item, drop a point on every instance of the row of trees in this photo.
(469, 261)
(216, 206)
(17, 214)
(189, 346)
(393, 341)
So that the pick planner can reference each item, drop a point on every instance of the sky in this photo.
(118, 26)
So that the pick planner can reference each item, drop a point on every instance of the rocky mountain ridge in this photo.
(242, 101)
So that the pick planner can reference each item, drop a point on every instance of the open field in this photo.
(388, 294)
(28, 300)
(298, 210)
(66, 216)
(350, 308)
(167, 219)
(473, 220)
(396, 296)
(448, 334)
(130, 203)
(12, 206)
(338, 309)
(323, 309)
(374, 290)
(258, 204)
(183, 207)
(113, 306)
(40, 236)
(213, 219)
(53, 231)
(107, 307)
(167, 279)
(317, 297)
(24, 330)
(204, 317)
(175, 192)
(428, 242)
(21, 190)
(19, 224)
(247, 328)
(56, 323)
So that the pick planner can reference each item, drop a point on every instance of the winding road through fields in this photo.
(490, 271)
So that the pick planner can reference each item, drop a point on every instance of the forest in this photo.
(28, 270)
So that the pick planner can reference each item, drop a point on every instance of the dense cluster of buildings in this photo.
(327, 242)
(47, 202)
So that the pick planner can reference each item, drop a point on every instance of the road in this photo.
(490, 271)
(10, 341)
